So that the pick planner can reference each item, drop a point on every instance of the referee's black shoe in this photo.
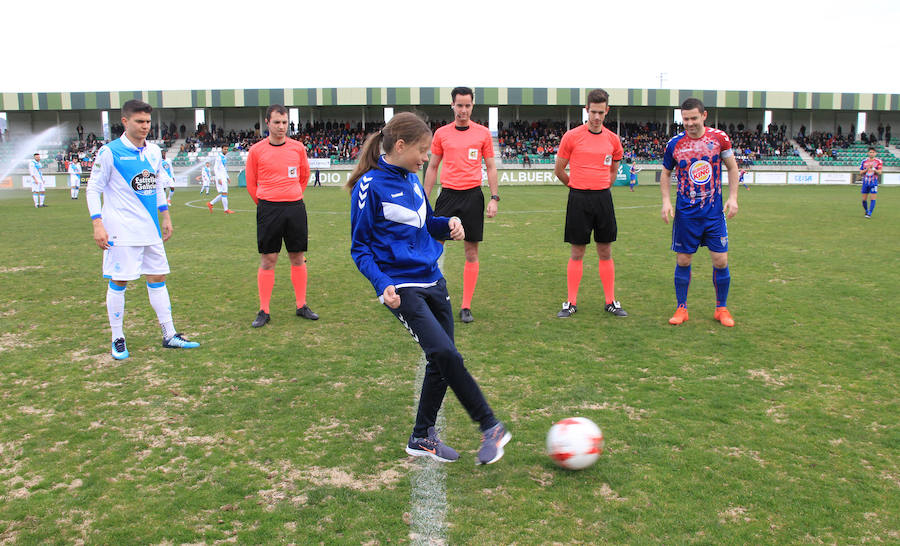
(568, 309)
(307, 313)
(465, 315)
(616, 309)
(262, 318)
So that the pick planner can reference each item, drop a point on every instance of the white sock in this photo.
(215, 199)
(159, 300)
(115, 309)
(225, 202)
(36, 200)
(41, 196)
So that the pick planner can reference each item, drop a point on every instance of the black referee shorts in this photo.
(590, 210)
(281, 220)
(468, 206)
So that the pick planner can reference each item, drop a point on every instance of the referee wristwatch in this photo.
(495, 197)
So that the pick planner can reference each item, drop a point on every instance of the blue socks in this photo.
(871, 207)
(722, 281)
(682, 282)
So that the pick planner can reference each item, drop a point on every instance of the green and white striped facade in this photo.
(423, 96)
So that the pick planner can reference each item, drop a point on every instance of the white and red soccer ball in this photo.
(574, 443)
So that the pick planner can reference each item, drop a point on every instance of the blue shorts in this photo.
(690, 233)
(869, 187)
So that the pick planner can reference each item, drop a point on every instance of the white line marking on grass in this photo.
(428, 495)
(203, 205)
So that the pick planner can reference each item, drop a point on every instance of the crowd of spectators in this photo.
(750, 146)
(339, 140)
(82, 150)
(518, 140)
(524, 138)
(821, 145)
(643, 142)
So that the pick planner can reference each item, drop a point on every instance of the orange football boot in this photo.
(681, 315)
(722, 315)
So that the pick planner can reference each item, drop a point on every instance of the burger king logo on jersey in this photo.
(700, 172)
(144, 183)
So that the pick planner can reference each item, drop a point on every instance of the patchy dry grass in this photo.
(781, 430)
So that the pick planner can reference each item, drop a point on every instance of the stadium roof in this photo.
(418, 96)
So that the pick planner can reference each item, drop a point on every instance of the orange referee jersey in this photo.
(277, 173)
(590, 157)
(462, 153)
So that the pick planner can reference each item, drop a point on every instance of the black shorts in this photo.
(277, 220)
(590, 210)
(468, 206)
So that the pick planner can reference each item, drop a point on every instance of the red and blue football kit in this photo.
(697, 164)
(869, 169)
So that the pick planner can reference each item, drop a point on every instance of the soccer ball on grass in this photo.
(574, 443)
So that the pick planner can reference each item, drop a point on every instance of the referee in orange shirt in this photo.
(592, 153)
(462, 146)
(277, 174)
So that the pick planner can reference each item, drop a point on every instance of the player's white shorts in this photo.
(74, 182)
(221, 187)
(37, 186)
(128, 263)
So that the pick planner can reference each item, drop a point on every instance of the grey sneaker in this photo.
(431, 446)
(568, 310)
(616, 309)
(492, 442)
(465, 315)
(262, 318)
(307, 313)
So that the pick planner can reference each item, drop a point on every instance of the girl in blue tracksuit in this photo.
(394, 242)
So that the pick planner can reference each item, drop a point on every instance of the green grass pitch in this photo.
(783, 429)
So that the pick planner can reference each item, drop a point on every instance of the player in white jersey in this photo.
(204, 178)
(170, 189)
(132, 222)
(221, 175)
(74, 177)
(37, 181)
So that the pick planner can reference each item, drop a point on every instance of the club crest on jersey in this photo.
(144, 183)
(700, 172)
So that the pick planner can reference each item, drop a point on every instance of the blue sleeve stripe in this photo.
(95, 216)
(163, 207)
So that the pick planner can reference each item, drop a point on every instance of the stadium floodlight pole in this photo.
(662, 77)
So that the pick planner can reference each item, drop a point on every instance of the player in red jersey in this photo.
(277, 174)
(696, 156)
(462, 146)
(870, 170)
(592, 152)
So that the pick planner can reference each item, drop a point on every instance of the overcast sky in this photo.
(91, 45)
